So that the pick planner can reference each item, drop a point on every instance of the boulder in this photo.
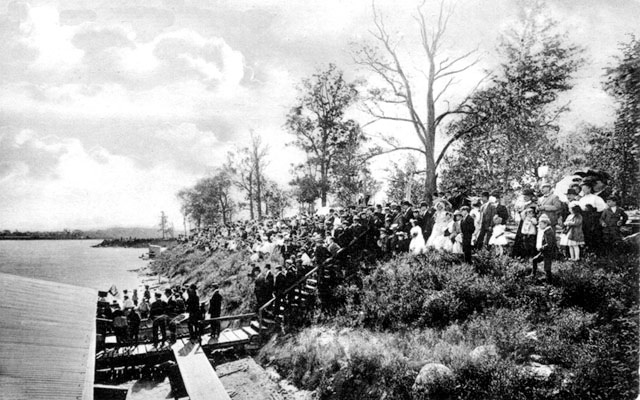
(433, 378)
(540, 371)
(484, 352)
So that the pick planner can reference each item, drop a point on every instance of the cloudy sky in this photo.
(108, 108)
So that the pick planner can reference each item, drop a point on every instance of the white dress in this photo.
(498, 236)
(437, 234)
(417, 245)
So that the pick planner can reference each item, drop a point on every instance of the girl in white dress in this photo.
(455, 234)
(417, 245)
(498, 239)
(440, 225)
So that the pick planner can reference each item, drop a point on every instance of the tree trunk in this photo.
(323, 185)
(258, 191)
(430, 166)
(251, 195)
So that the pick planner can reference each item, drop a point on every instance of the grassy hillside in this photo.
(186, 265)
(575, 339)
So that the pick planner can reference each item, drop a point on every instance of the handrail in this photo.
(306, 276)
(229, 317)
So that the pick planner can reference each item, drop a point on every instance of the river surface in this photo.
(73, 262)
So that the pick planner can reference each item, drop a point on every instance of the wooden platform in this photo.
(146, 354)
(47, 339)
(200, 380)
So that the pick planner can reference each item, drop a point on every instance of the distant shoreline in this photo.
(136, 243)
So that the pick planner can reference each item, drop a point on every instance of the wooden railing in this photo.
(306, 276)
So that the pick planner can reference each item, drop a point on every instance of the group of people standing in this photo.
(127, 318)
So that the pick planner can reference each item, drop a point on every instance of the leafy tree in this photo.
(276, 199)
(319, 125)
(305, 191)
(513, 130)
(405, 182)
(401, 89)
(617, 150)
(247, 168)
(209, 200)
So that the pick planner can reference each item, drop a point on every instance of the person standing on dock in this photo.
(193, 308)
(215, 307)
(160, 319)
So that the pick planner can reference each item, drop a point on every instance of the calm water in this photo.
(73, 262)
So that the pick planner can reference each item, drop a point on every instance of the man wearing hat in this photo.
(612, 218)
(280, 285)
(160, 319)
(193, 308)
(215, 308)
(549, 204)
(425, 219)
(487, 212)
(467, 227)
(546, 246)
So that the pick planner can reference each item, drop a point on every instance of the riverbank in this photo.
(419, 326)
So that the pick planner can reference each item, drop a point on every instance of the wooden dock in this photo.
(200, 380)
(147, 354)
(47, 339)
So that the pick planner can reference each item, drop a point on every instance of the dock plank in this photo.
(200, 380)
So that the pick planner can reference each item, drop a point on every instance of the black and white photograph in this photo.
(319, 199)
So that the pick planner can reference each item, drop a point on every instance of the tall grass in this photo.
(410, 311)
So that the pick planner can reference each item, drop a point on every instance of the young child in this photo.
(529, 231)
(546, 246)
(612, 218)
(498, 239)
(573, 237)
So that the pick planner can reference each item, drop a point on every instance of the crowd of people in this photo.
(526, 226)
(162, 311)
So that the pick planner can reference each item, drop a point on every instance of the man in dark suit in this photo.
(426, 220)
(487, 212)
(215, 308)
(279, 286)
(193, 308)
(157, 313)
(467, 227)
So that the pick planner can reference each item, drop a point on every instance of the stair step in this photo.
(249, 331)
(311, 288)
(312, 281)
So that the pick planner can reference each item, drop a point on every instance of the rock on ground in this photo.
(246, 380)
(430, 374)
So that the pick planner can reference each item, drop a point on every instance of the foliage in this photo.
(433, 308)
(512, 129)
(276, 199)
(320, 128)
(209, 200)
(617, 149)
(404, 180)
(247, 167)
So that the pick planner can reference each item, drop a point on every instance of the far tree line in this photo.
(496, 137)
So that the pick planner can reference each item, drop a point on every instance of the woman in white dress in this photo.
(439, 226)
(417, 245)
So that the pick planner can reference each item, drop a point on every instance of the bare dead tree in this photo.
(399, 90)
(258, 153)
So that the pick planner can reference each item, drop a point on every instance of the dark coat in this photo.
(467, 226)
(158, 308)
(215, 304)
(193, 303)
(549, 243)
